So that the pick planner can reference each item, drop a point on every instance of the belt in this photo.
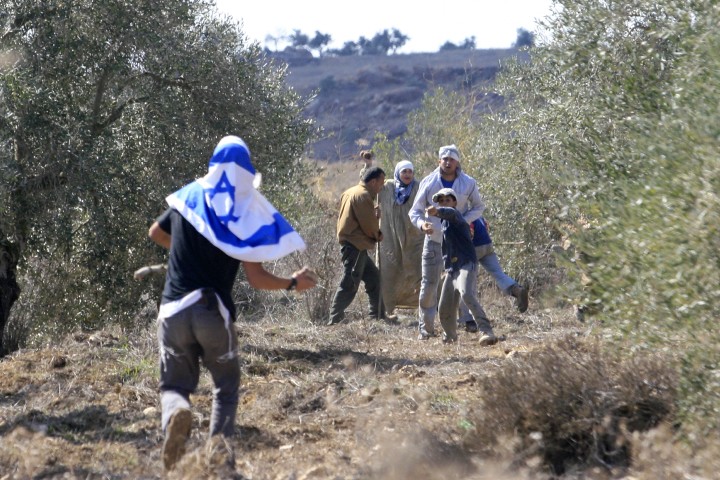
(208, 298)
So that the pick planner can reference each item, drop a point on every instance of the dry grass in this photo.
(360, 400)
(317, 401)
(332, 179)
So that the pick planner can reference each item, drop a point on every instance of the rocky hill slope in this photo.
(359, 96)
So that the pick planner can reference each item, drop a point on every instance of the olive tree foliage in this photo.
(606, 84)
(561, 143)
(106, 107)
(619, 112)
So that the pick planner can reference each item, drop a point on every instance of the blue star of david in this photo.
(224, 186)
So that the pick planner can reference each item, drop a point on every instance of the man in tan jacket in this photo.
(358, 230)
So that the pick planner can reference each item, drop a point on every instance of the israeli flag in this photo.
(225, 207)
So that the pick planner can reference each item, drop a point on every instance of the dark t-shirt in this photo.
(195, 262)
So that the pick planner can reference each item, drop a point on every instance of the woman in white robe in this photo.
(401, 248)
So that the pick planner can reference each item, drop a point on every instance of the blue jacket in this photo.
(481, 235)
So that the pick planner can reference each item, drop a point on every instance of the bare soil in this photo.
(363, 399)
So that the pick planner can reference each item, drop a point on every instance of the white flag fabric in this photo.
(225, 207)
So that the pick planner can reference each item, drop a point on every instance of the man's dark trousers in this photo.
(357, 267)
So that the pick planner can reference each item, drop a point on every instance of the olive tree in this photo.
(105, 108)
(615, 118)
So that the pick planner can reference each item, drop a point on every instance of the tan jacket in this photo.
(356, 222)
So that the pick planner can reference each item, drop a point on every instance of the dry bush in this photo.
(572, 404)
(317, 228)
(323, 256)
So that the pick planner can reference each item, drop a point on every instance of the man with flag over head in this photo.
(212, 225)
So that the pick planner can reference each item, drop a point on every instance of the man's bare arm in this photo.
(261, 279)
(159, 236)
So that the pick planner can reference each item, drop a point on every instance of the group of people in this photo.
(431, 227)
(221, 220)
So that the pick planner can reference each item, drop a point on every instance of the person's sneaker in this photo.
(176, 434)
(448, 340)
(471, 327)
(424, 335)
(521, 297)
(488, 339)
(334, 321)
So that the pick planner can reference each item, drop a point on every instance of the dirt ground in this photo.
(363, 399)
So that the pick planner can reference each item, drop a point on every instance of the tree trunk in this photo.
(9, 289)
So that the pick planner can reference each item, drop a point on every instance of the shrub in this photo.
(318, 231)
(574, 404)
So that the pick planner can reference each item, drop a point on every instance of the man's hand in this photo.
(431, 211)
(306, 279)
(427, 227)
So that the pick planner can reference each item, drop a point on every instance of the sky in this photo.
(493, 23)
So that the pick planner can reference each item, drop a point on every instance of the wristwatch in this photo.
(293, 284)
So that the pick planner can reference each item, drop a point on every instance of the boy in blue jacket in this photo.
(460, 262)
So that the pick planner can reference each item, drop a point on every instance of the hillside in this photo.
(358, 96)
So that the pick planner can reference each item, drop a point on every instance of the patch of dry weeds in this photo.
(363, 399)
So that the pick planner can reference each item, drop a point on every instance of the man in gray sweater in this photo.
(448, 174)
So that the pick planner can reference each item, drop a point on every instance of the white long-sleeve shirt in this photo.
(469, 201)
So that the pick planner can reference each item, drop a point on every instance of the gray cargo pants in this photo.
(461, 285)
(199, 331)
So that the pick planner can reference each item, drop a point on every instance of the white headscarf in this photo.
(402, 191)
(449, 151)
(402, 165)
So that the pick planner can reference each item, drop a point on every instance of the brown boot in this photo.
(176, 434)
(521, 297)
